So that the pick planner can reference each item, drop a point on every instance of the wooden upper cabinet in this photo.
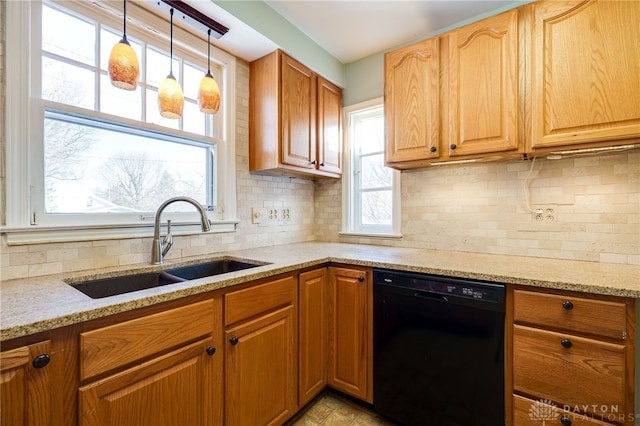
(411, 96)
(329, 127)
(482, 76)
(586, 73)
(25, 386)
(298, 114)
(295, 119)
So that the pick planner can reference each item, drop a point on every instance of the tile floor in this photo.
(332, 409)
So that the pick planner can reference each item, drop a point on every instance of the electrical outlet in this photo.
(285, 214)
(547, 213)
(272, 215)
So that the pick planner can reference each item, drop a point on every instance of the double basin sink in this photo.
(105, 287)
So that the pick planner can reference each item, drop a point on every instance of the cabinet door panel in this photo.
(349, 332)
(585, 72)
(313, 334)
(174, 389)
(298, 114)
(483, 84)
(261, 370)
(546, 366)
(25, 391)
(411, 102)
(329, 127)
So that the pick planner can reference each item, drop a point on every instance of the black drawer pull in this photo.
(41, 361)
(566, 421)
(567, 305)
(211, 350)
(566, 343)
(233, 341)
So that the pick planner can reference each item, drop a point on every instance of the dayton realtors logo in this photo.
(543, 410)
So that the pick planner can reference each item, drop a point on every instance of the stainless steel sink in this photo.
(105, 287)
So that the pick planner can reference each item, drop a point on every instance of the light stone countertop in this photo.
(38, 304)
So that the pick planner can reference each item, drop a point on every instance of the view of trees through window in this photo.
(97, 164)
(372, 182)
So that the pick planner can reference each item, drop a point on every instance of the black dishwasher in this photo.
(438, 350)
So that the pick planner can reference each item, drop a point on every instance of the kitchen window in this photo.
(371, 191)
(82, 154)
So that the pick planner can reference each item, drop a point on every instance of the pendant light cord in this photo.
(171, 46)
(209, 52)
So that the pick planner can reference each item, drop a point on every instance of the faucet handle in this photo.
(167, 241)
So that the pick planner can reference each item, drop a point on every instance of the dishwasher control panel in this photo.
(435, 284)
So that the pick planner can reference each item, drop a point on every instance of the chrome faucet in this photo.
(160, 249)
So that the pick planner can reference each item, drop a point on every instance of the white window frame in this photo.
(351, 219)
(24, 123)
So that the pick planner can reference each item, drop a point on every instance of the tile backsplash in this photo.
(483, 208)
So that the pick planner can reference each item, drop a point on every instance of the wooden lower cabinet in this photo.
(351, 331)
(174, 389)
(159, 369)
(313, 348)
(261, 354)
(25, 386)
(573, 358)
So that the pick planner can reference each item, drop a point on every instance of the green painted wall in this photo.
(258, 15)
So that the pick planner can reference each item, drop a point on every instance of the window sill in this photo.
(58, 234)
(369, 234)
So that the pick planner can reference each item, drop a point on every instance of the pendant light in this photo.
(124, 69)
(170, 97)
(209, 93)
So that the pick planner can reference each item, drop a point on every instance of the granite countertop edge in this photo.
(33, 305)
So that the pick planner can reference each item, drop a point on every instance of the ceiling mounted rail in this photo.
(192, 17)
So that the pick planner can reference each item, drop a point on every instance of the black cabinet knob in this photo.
(211, 350)
(566, 343)
(566, 421)
(233, 340)
(433, 149)
(453, 146)
(567, 305)
(321, 164)
(41, 361)
(313, 162)
(361, 278)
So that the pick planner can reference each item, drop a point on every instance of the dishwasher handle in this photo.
(429, 295)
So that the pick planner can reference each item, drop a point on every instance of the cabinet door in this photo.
(25, 386)
(261, 370)
(174, 389)
(298, 114)
(411, 93)
(483, 84)
(585, 72)
(350, 332)
(329, 127)
(313, 334)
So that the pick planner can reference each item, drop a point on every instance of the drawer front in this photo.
(574, 314)
(114, 346)
(242, 304)
(527, 412)
(574, 370)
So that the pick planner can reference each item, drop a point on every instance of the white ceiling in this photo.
(353, 29)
